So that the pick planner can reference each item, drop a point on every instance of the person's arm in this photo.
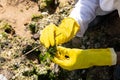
(72, 58)
(84, 12)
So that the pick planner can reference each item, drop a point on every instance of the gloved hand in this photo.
(53, 35)
(72, 59)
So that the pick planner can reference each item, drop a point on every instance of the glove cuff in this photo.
(114, 56)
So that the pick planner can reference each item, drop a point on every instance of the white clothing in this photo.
(86, 10)
(2, 77)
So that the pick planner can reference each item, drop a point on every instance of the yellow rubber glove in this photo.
(53, 35)
(72, 59)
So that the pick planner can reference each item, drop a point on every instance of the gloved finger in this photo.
(47, 36)
(59, 56)
(46, 41)
(51, 34)
(60, 36)
(62, 63)
(63, 51)
(44, 38)
(71, 28)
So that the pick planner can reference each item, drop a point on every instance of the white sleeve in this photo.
(113, 56)
(84, 13)
(107, 5)
(110, 5)
(117, 5)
